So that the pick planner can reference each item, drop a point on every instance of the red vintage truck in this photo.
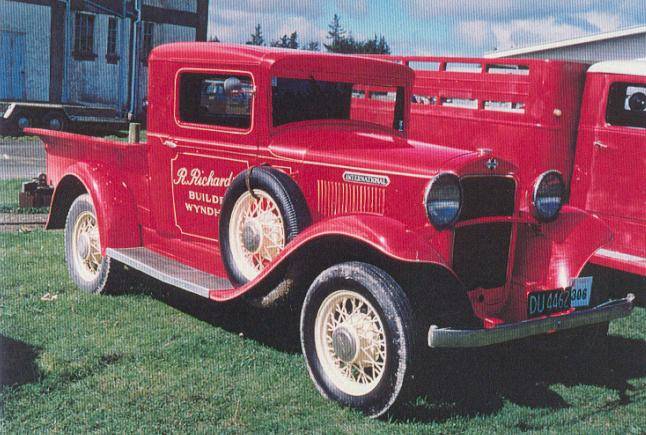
(257, 180)
(589, 123)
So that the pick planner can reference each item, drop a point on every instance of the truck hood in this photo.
(358, 146)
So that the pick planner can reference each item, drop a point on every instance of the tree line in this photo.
(339, 41)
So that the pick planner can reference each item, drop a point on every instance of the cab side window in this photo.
(202, 100)
(627, 105)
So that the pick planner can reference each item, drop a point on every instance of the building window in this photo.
(147, 41)
(84, 37)
(111, 50)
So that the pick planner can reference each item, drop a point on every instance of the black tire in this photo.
(22, 120)
(393, 309)
(55, 121)
(109, 274)
(285, 193)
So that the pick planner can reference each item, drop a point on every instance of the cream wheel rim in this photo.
(86, 246)
(350, 342)
(256, 232)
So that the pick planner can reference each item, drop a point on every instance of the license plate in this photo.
(553, 301)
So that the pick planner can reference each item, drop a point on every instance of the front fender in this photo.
(549, 255)
(115, 206)
(385, 235)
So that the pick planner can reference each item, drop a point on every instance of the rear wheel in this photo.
(55, 121)
(356, 336)
(22, 120)
(89, 270)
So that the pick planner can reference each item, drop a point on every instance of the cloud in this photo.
(503, 24)
(501, 10)
(352, 7)
(235, 21)
(478, 33)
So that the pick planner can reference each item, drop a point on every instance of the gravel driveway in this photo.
(22, 157)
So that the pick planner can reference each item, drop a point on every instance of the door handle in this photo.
(170, 144)
(600, 145)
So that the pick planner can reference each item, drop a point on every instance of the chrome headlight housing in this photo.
(549, 195)
(443, 200)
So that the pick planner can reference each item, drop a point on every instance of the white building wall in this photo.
(97, 81)
(162, 33)
(24, 18)
(179, 5)
(627, 47)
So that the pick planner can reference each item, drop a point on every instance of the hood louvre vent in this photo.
(343, 198)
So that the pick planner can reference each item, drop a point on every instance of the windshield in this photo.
(297, 100)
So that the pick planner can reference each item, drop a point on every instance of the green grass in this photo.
(9, 190)
(154, 359)
(16, 139)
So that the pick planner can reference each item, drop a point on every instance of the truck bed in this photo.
(525, 110)
(66, 151)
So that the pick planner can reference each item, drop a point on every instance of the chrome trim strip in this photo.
(619, 256)
(452, 338)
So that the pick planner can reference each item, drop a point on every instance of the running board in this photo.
(169, 271)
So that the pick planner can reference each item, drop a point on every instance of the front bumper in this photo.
(452, 338)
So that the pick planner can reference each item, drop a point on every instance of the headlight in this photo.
(443, 200)
(549, 193)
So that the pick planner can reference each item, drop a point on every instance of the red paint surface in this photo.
(608, 181)
(141, 199)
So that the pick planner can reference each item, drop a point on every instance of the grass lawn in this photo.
(155, 359)
(9, 190)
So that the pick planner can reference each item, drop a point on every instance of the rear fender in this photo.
(549, 255)
(386, 236)
(116, 211)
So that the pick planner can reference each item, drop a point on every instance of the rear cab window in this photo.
(202, 100)
(627, 105)
(296, 100)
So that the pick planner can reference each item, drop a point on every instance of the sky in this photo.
(432, 27)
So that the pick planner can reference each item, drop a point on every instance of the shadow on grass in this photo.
(17, 362)
(450, 383)
(476, 382)
(277, 328)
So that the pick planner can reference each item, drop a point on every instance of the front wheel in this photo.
(356, 336)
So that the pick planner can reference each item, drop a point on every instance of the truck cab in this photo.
(610, 162)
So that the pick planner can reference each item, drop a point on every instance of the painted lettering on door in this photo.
(199, 184)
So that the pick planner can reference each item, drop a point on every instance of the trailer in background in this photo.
(17, 115)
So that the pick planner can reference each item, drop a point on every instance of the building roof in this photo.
(628, 67)
(281, 61)
(630, 31)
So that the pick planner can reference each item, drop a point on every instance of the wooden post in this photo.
(134, 132)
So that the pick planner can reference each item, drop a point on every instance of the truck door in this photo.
(210, 143)
(618, 190)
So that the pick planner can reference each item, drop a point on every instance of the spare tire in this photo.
(263, 210)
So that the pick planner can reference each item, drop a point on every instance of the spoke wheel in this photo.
(357, 337)
(90, 271)
(86, 246)
(351, 342)
(256, 232)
